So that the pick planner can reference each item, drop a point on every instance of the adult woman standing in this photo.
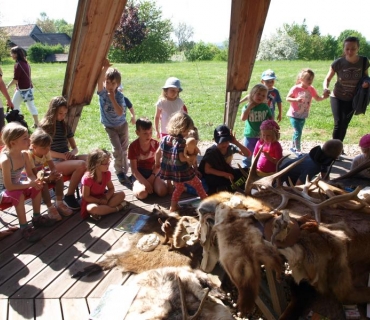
(349, 70)
(22, 80)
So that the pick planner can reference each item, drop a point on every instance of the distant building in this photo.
(29, 34)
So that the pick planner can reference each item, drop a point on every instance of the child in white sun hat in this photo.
(169, 103)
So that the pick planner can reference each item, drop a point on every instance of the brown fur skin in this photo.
(159, 296)
(242, 251)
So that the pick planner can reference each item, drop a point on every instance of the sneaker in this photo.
(64, 210)
(299, 154)
(71, 202)
(54, 214)
(124, 180)
(30, 234)
(42, 221)
(294, 150)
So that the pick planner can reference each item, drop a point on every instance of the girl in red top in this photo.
(98, 195)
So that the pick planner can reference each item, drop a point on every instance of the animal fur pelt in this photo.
(131, 259)
(321, 255)
(159, 296)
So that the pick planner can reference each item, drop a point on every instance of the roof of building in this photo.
(23, 41)
(22, 30)
(57, 57)
(53, 39)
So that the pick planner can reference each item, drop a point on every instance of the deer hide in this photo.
(159, 296)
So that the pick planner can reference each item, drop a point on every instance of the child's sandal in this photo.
(95, 217)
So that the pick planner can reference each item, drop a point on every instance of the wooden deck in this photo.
(35, 279)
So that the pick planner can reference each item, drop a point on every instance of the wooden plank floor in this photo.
(35, 279)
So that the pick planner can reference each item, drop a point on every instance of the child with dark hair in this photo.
(215, 165)
(113, 111)
(141, 154)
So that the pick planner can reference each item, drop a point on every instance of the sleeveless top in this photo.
(15, 175)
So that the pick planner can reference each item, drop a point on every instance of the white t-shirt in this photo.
(168, 108)
(357, 161)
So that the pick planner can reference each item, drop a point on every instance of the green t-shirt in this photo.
(257, 115)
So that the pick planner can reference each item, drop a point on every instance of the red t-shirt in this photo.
(145, 160)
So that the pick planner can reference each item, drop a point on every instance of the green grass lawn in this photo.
(204, 95)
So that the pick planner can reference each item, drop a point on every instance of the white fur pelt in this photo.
(159, 296)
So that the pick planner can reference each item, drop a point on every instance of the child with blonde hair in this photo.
(13, 190)
(272, 151)
(99, 197)
(174, 165)
(364, 144)
(67, 162)
(254, 113)
(300, 98)
(40, 160)
(168, 103)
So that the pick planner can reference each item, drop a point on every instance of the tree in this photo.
(183, 33)
(4, 38)
(45, 23)
(156, 46)
(279, 46)
(63, 26)
(301, 37)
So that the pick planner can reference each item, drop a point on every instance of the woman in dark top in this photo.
(22, 80)
(349, 69)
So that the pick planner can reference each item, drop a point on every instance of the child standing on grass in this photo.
(174, 165)
(272, 151)
(40, 160)
(141, 154)
(66, 161)
(98, 195)
(13, 161)
(215, 166)
(273, 96)
(254, 113)
(113, 117)
(300, 98)
(364, 156)
(169, 103)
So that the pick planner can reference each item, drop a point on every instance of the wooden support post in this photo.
(232, 104)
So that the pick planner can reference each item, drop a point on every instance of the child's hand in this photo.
(148, 187)
(228, 176)
(70, 156)
(158, 135)
(37, 184)
(233, 139)
(133, 120)
(54, 176)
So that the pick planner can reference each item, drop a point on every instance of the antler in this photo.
(352, 172)
(185, 315)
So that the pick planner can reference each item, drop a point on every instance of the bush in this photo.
(202, 52)
(39, 51)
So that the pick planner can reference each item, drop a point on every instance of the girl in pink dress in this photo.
(272, 151)
(98, 195)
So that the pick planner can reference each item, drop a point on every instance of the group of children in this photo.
(159, 167)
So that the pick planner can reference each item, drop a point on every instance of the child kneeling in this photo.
(39, 155)
(98, 195)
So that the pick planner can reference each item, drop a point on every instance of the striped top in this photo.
(60, 139)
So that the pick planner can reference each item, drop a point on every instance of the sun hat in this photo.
(172, 82)
(222, 133)
(365, 141)
(268, 75)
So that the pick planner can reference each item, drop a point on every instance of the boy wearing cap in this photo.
(273, 96)
(319, 160)
(215, 166)
(363, 157)
(113, 117)
(169, 102)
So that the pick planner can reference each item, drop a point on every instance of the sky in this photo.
(210, 19)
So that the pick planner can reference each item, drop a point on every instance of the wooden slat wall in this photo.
(246, 26)
(94, 27)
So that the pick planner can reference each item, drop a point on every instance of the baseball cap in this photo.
(222, 133)
(268, 75)
(365, 141)
(172, 82)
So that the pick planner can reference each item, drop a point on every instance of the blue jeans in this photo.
(297, 125)
(250, 143)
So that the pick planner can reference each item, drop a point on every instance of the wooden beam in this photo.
(93, 32)
(246, 27)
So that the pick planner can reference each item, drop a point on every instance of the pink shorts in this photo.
(14, 196)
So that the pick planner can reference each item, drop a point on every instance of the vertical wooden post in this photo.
(246, 27)
(93, 32)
